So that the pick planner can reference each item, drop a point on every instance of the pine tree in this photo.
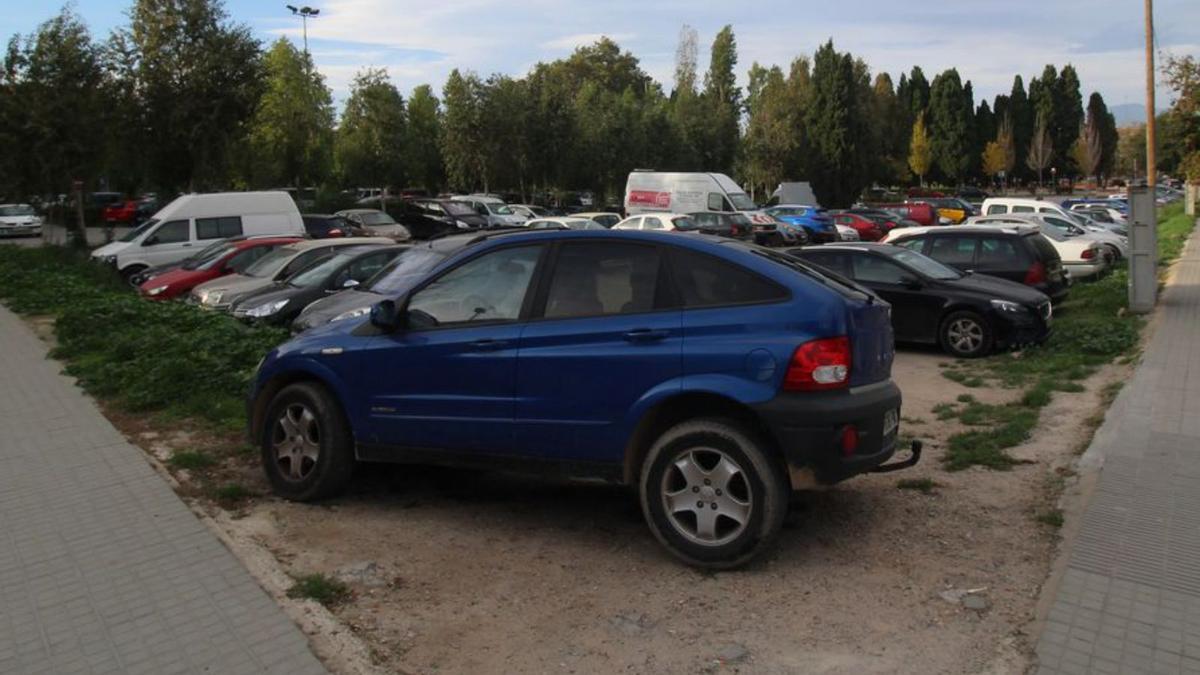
(723, 103)
(1021, 116)
(949, 126)
(837, 128)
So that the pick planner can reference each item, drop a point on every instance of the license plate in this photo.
(891, 421)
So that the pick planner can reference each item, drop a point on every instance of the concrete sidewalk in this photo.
(102, 567)
(1129, 600)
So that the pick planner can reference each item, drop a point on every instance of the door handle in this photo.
(488, 345)
(646, 335)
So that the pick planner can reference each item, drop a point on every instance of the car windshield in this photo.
(500, 209)
(682, 223)
(17, 210)
(139, 230)
(403, 271)
(925, 265)
(376, 218)
(742, 202)
(457, 209)
(204, 259)
(271, 263)
(319, 272)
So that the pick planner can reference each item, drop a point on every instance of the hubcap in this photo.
(296, 442)
(706, 496)
(966, 335)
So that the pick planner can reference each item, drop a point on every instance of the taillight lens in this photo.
(819, 364)
(1088, 254)
(1036, 274)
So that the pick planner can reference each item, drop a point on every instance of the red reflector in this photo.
(849, 440)
(1036, 274)
(1088, 254)
(819, 364)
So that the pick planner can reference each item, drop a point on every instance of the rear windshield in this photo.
(376, 218)
(18, 210)
(1045, 250)
(843, 286)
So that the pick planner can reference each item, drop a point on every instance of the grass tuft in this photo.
(324, 589)
(922, 485)
(231, 493)
(1053, 518)
(191, 460)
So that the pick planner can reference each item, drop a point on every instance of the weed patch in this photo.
(324, 589)
(191, 460)
(922, 485)
(1053, 518)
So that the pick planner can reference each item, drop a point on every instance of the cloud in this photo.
(581, 39)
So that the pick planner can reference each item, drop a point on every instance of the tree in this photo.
(291, 133)
(1183, 76)
(1087, 150)
(771, 134)
(424, 136)
(463, 131)
(723, 103)
(1098, 111)
(838, 152)
(1021, 116)
(1004, 137)
(1131, 151)
(1068, 116)
(197, 80)
(687, 108)
(993, 159)
(890, 121)
(950, 116)
(371, 148)
(1041, 148)
(920, 153)
(985, 130)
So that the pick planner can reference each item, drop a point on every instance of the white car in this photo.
(529, 211)
(569, 222)
(1116, 246)
(847, 233)
(497, 212)
(1082, 257)
(19, 220)
(605, 218)
(658, 221)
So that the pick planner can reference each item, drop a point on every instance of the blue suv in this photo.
(817, 224)
(714, 375)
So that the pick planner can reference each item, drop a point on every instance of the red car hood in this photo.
(176, 283)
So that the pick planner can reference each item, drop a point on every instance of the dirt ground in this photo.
(466, 572)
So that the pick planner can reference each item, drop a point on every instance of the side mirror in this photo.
(911, 282)
(151, 240)
(385, 315)
(350, 283)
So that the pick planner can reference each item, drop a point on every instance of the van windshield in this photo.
(139, 230)
(742, 202)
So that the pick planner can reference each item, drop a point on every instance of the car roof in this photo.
(264, 241)
(306, 244)
(794, 206)
(866, 247)
(356, 211)
(975, 229)
(589, 214)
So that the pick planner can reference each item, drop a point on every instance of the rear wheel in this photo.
(966, 334)
(307, 449)
(711, 494)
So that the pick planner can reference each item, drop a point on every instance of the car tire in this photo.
(1114, 254)
(307, 447)
(132, 275)
(712, 466)
(966, 334)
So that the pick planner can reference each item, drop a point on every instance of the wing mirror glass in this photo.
(385, 315)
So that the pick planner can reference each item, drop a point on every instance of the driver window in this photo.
(716, 202)
(170, 232)
(491, 287)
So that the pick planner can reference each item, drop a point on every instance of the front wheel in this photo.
(966, 334)
(711, 494)
(307, 449)
(133, 275)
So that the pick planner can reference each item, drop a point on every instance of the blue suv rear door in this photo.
(606, 332)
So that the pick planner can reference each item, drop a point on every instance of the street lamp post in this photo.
(305, 13)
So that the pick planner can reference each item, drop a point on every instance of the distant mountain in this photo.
(1130, 113)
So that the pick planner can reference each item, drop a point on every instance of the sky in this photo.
(988, 41)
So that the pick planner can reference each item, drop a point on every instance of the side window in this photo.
(488, 288)
(595, 279)
(303, 260)
(170, 232)
(834, 262)
(716, 202)
(953, 250)
(705, 281)
(705, 219)
(913, 244)
(998, 251)
(218, 228)
(995, 209)
(246, 257)
(875, 270)
(1022, 209)
(652, 223)
(365, 268)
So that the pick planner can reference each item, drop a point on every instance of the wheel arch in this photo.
(262, 401)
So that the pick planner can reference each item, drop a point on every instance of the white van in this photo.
(1000, 206)
(193, 221)
(665, 192)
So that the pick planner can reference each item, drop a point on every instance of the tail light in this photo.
(1088, 254)
(819, 364)
(1036, 274)
(849, 440)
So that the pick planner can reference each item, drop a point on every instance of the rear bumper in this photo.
(1084, 270)
(809, 428)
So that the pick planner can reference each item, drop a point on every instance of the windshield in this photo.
(318, 273)
(925, 265)
(376, 218)
(457, 209)
(18, 210)
(211, 261)
(405, 270)
(139, 230)
(271, 263)
(500, 209)
(742, 202)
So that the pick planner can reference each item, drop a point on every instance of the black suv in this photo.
(1017, 253)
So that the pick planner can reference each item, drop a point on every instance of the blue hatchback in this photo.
(714, 375)
(815, 221)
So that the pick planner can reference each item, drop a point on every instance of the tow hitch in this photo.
(913, 458)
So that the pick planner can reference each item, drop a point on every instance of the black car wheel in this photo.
(133, 275)
(966, 334)
(711, 493)
(307, 449)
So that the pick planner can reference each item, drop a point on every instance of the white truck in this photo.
(670, 192)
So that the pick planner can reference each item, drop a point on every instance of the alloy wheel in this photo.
(296, 442)
(706, 496)
(965, 335)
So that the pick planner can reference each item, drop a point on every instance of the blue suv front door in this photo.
(604, 339)
(446, 380)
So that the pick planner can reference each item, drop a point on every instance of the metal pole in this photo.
(1151, 164)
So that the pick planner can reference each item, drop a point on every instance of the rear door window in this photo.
(995, 209)
(1022, 209)
(705, 281)
(598, 279)
(999, 252)
(953, 250)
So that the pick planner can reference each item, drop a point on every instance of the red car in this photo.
(868, 229)
(219, 261)
(121, 212)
